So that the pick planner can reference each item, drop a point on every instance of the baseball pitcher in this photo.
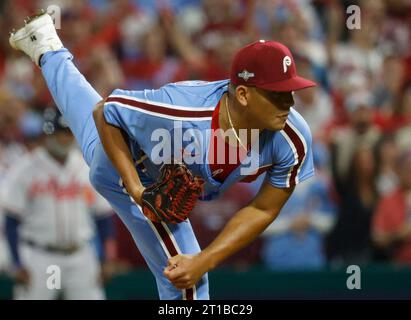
(154, 153)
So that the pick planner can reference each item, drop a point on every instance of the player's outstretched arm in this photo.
(117, 150)
(185, 270)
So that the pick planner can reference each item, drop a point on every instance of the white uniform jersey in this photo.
(9, 154)
(52, 201)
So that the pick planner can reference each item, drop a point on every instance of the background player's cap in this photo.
(54, 121)
(267, 65)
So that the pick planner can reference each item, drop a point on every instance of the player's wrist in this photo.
(136, 193)
(209, 261)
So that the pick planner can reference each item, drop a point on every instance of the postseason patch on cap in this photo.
(246, 75)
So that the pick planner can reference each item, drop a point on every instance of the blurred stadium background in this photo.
(357, 209)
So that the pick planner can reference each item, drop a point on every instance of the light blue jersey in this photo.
(286, 155)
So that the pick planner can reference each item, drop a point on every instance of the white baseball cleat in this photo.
(37, 37)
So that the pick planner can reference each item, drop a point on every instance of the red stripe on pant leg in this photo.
(299, 146)
(172, 250)
(189, 294)
(166, 238)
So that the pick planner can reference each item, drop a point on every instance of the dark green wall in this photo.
(258, 283)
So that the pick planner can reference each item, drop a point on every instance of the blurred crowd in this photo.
(357, 208)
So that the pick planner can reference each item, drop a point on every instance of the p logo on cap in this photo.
(286, 63)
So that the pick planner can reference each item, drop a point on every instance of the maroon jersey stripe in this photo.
(163, 110)
(299, 146)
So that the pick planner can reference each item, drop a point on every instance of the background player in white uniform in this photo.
(48, 199)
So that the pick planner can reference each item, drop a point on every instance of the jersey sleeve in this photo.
(130, 110)
(14, 192)
(293, 159)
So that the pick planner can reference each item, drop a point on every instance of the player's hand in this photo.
(22, 276)
(185, 270)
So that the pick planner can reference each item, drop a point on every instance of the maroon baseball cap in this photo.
(267, 65)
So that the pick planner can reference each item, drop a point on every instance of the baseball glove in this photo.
(173, 196)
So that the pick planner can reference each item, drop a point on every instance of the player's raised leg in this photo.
(73, 95)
